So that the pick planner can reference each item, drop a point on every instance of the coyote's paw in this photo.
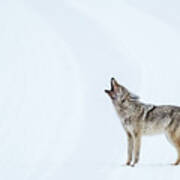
(176, 163)
(128, 163)
(132, 165)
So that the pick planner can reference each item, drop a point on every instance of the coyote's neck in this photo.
(129, 108)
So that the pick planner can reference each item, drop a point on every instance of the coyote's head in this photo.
(119, 93)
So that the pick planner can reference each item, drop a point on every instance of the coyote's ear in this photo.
(133, 96)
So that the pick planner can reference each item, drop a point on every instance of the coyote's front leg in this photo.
(130, 148)
(137, 145)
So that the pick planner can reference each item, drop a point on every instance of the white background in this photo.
(56, 58)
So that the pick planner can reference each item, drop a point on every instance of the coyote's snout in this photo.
(140, 119)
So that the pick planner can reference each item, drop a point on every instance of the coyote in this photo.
(140, 119)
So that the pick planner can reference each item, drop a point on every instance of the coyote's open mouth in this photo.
(114, 88)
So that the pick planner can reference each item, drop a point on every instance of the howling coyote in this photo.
(140, 119)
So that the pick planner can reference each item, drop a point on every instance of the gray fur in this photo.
(140, 119)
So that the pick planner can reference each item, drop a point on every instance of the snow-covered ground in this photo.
(56, 59)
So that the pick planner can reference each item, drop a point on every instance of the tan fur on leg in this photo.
(130, 148)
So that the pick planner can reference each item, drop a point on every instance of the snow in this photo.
(56, 59)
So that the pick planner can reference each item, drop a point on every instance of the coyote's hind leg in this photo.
(174, 137)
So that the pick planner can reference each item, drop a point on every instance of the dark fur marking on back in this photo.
(149, 111)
